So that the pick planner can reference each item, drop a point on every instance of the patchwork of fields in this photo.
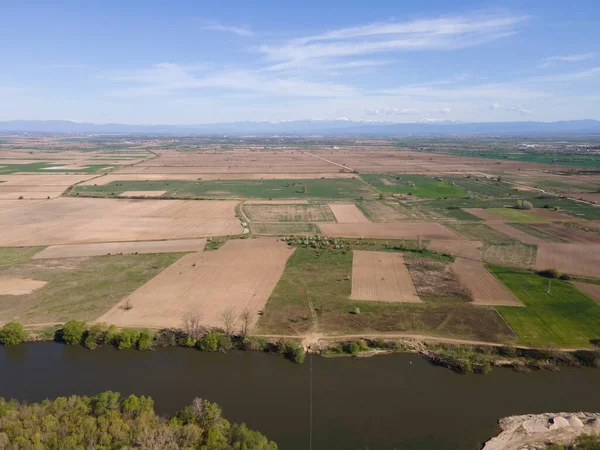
(319, 241)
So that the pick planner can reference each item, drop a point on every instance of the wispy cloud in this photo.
(572, 58)
(445, 33)
(393, 112)
(216, 26)
(510, 108)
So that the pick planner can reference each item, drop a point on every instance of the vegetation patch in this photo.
(514, 255)
(10, 256)
(289, 213)
(517, 215)
(481, 232)
(284, 229)
(537, 232)
(79, 288)
(326, 188)
(415, 185)
(555, 313)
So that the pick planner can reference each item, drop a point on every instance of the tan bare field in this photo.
(381, 277)
(571, 234)
(484, 287)
(385, 212)
(86, 220)
(574, 259)
(515, 233)
(33, 186)
(79, 250)
(348, 214)
(411, 230)
(19, 286)
(211, 177)
(484, 214)
(141, 193)
(593, 290)
(240, 275)
(10, 204)
(464, 249)
(276, 202)
(587, 196)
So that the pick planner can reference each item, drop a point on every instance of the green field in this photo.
(78, 288)
(541, 158)
(289, 213)
(332, 188)
(566, 317)
(483, 187)
(517, 215)
(456, 213)
(9, 256)
(284, 229)
(42, 167)
(537, 233)
(313, 295)
(416, 185)
(480, 232)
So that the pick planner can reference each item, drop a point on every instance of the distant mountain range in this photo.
(309, 127)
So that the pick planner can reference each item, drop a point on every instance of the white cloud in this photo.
(444, 33)
(572, 58)
(393, 112)
(215, 26)
(511, 108)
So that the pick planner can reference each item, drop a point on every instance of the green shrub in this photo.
(95, 336)
(73, 331)
(209, 343)
(549, 273)
(12, 333)
(298, 355)
(127, 338)
(145, 340)
(353, 348)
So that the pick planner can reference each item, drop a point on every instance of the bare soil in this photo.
(464, 249)
(522, 256)
(238, 276)
(19, 286)
(593, 290)
(86, 220)
(348, 214)
(141, 193)
(574, 259)
(484, 287)
(79, 250)
(211, 177)
(573, 234)
(382, 277)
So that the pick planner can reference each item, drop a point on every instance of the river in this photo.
(396, 401)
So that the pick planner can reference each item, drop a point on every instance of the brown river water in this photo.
(386, 402)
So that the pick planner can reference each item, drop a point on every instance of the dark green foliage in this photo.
(12, 333)
(210, 342)
(105, 421)
(73, 331)
(145, 340)
(95, 336)
(127, 338)
(462, 359)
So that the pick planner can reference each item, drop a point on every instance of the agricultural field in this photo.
(336, 188)
(480, 232)
(415, 185)
(517, 215)
(564, 317)
(288, 213)
(45, 167)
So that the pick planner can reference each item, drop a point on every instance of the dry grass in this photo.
(389, 230)
(288, 213)
(518, 255)
(382, 277)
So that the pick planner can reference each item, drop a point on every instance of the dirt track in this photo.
(382, 277)
(484, 287)
(78, 250)
(240, 275)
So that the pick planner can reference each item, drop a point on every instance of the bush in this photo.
(12, 333)
(145, 340)
(210, 342)
(524, 204)
(127, 338)
(353, 348)
(95, 336)
(549, 273)
(73, 331)
(298, 355)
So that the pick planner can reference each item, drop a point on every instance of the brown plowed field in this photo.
(240, 275)
(33, 186)
(389, 230)
(484, 214)
(571, 234)
(78, 250)
(141, 193)
(464, 249)
(587, 196)
(484, 287)
(85, 220)
(575, 259)
(348, 214)
(19, 286)
(210, 177)
(515, 233)
(381, 277)
(593, 290)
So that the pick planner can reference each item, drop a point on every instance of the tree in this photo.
(524, 204)
(95, 336)
(228, 321)
(209, 343)
(73, 332)
(12, 333)
(145, 340)
(127, 338)
(192, 324)
(246, 318)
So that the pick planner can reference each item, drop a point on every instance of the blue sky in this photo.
(187, 62)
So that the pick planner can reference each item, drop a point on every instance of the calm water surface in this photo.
(387, 402)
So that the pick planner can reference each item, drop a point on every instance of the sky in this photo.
(194, 62)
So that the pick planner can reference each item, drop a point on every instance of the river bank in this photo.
(533, 431)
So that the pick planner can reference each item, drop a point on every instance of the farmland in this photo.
(308, 237)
